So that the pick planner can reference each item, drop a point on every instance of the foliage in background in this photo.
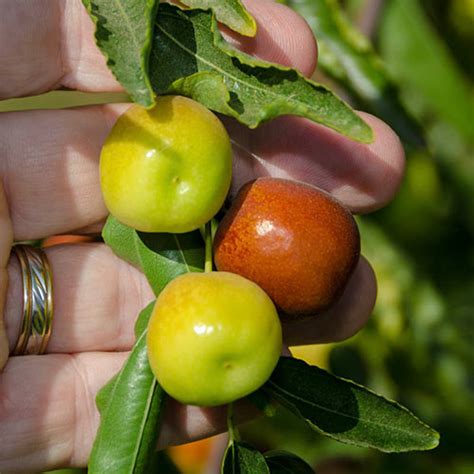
(418, 346)
(347, 57)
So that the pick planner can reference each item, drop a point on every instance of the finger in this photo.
(187, 423)
(342, 320)
(50, 164)
(294, 46)
(48, 44)
(6, 232)
(52, 173)
(6, 240)
(97, 297)
(56, 47)
(363, 177)
(49, 418)
(48, 414)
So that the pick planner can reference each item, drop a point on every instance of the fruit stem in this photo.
(208, 265)
(233, 431)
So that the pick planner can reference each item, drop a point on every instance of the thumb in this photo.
(6, 242)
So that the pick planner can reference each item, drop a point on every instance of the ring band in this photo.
(37, 300)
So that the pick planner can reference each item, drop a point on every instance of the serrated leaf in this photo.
(230, 12)
(241, 458)
(123, 34)
(162, 257)
(130, 407)
(348, 57)
(283, 462)
(346, 411)
(202, 65)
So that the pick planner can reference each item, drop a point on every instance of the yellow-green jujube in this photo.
(213, 338)
(167, 169)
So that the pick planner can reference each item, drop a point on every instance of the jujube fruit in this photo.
(167, 169)
(294, 240)
(213, 338)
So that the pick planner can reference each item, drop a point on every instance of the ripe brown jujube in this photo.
(294, 240)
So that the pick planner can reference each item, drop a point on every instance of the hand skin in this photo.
(49, 171)
(6, 240)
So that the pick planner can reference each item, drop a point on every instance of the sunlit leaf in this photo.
(123, 33)
(230, 12)
(200, 64)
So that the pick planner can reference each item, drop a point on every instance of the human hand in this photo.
(49, 167)
(6, 241)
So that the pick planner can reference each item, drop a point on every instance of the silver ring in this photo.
(37, 300)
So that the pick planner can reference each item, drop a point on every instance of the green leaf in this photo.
(131, 403)
(241, 458)
(130, 406)
(282, 462)
(230, 12)
(123, 33)
(348, 57)
(434, 78)
(162, 257)
(202, 65)
(346, 411)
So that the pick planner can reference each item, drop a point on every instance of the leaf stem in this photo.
(208, 265)
(233, 431)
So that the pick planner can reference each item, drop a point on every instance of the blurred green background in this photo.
(417, 348)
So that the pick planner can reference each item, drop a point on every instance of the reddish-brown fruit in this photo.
(294, 240)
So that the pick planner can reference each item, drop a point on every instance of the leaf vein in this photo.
(127, 23)
(329, 410)
(181, 251)
(144, 420)
(225, 73)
